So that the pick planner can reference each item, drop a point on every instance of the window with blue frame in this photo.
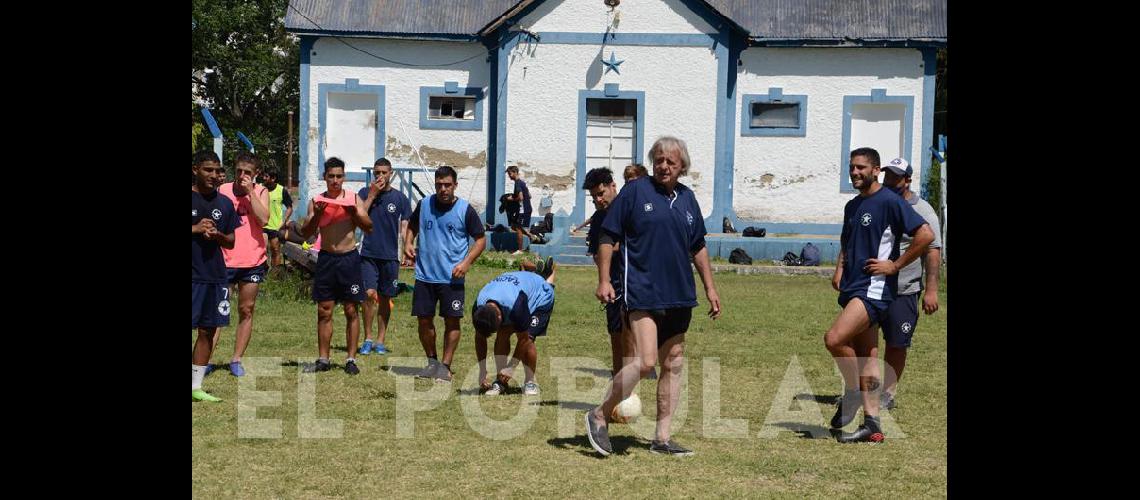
(451, 107)
(773, 114)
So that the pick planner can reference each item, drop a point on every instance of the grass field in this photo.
(768, 346)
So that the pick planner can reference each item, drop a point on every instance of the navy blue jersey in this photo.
(593, 237)
(659, 235)
(206, 262)
(386, 212)
(520, 187)
(872, 229)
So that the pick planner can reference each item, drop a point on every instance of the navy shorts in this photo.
(539, 321)
(449, 296)
(210, 305)
(246, 274)
(670, 322)
(900, 320)
(338, 277)
(380, 275)
(876, 309)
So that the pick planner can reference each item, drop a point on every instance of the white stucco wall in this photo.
(544, 80)
(633, 16)
(796, 179)
(333, 62)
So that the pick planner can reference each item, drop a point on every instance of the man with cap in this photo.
(902, 314)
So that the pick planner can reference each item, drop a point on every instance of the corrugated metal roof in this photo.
(868, 20)
(838, 19)
(444, 17)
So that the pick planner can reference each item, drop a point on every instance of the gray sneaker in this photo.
(669, 448)
(886, 401)
(441, 372)
(599, 436)
(530, 389)
(429, 370)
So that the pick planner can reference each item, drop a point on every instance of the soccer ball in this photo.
(627, 410)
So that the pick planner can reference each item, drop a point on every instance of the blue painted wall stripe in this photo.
(629, 39)
(929, 67)
(302, 206)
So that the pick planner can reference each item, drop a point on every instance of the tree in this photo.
(245, 67)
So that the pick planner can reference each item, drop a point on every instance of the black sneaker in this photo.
(599, 436)
(351, 369)
(887, 401)
(669, 448)
(319, 366)
(547, 268)
(429, 370)
(869, 432)
(846, 409)
(652, 375)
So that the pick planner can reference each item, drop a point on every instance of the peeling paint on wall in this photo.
(435, 156)
(556, 182)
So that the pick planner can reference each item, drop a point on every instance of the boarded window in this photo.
(775, 115)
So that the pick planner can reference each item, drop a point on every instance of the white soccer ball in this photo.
(627, 410)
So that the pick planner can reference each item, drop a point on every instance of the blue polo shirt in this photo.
(386, 212)
(519, 294)
(872, 228)
(659, 235)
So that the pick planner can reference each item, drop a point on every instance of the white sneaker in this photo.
(496, 389)
(530, 389)
(517, 252)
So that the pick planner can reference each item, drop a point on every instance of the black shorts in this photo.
(670, 322)
(521, 221)
(273, 234)
(615, 317)
(449, 296)
(338, 277)
(900, 320)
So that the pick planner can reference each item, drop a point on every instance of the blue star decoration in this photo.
(613, 64)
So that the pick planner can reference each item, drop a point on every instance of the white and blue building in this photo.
(770, 96)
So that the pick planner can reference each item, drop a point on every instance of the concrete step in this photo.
(574, 259)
